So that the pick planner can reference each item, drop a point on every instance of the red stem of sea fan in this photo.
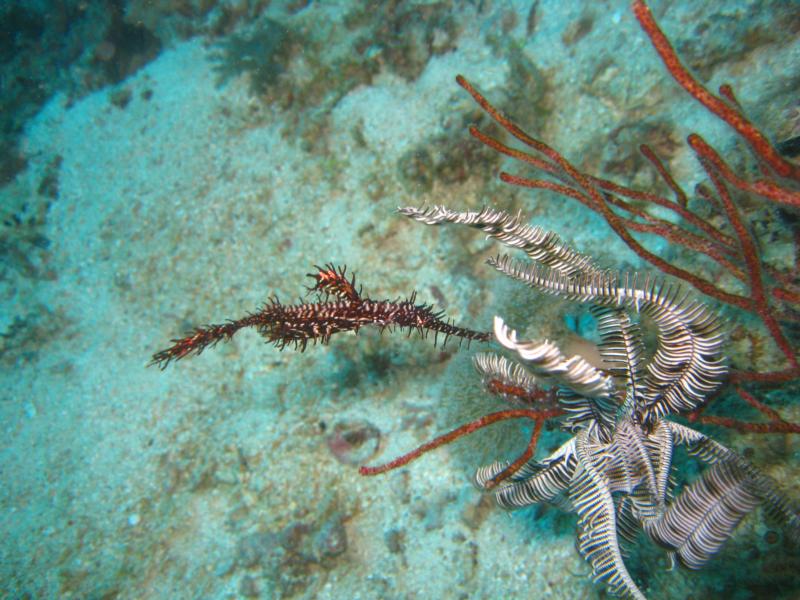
(537, 416)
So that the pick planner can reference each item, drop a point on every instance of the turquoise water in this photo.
(168, 166)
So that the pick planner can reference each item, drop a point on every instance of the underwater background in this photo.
(170, 163)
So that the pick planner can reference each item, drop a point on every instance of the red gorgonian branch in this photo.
(532, 403)
(772, 295)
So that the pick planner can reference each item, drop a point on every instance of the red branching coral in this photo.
(538, 406)
(772, 295)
